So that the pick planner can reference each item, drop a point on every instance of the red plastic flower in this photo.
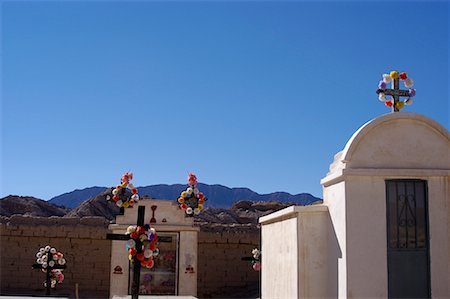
(388, 103)
(403, 76)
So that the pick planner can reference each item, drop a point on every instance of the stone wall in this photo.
(221, 272)
(81, 240)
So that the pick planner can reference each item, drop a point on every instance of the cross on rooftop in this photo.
(395, 92)
(136, 265)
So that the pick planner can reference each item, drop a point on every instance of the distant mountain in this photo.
(27, 205)
(218, 196)
(223, 197)
(75, 198)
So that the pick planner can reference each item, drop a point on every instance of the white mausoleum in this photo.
(383, 230)
(175, 269)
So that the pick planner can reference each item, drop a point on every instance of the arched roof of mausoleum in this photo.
(395, 141)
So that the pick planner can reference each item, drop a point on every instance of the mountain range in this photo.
(244, 214)
(218, 196)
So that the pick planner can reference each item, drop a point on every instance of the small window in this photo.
(406, 214)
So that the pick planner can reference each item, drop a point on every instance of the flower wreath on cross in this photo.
(256, 261)
(192, 200)
(48, 257)
(125, 194)
(147, 239)
(395, 92)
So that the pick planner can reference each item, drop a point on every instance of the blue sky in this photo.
(255, 94)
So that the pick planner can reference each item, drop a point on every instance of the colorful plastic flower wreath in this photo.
(387, 78)
(256, 261)
(192, 200)
(143, 245)
(121, 194)
(48, 257)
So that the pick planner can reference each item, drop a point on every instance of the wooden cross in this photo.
(137, 264)
(396, 93)
(49, 270)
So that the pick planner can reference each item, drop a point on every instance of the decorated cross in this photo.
(136, 266)
(255, 259)
(141, 243)
(192, 200)
(395, 92)
(52, 262)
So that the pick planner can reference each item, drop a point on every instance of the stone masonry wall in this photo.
(81, 240)
(221, 272)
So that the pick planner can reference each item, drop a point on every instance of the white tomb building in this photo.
(383, 230)
(175, 269)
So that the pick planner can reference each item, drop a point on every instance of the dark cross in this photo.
(395, 92)
(49, 270)
(136, 264)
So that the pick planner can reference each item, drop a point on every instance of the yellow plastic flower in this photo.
(394, 74)
(184, 194)
(200, 207)
(399, 105)
(125, 204)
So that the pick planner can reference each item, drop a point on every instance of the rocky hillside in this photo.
(27, 205)
(97, 206)
(218, 196)
(243, 213)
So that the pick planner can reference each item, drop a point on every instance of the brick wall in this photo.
(82, 241)
(221, 272)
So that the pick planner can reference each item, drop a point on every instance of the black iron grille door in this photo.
(407, 239)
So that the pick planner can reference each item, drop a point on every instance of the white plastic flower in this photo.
(148, 253)
(409, 82)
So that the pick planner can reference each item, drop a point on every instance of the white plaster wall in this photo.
(119, 282)
(294, 253)
(334, 199)
(438, 206)
(279, 276)
(166, 210)
(312, 253)
(188, 257)
(366, 237)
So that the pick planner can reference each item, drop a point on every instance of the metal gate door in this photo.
(407, 239)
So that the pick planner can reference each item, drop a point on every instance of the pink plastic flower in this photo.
(257, 266)
(192, 179)
(127, 177)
